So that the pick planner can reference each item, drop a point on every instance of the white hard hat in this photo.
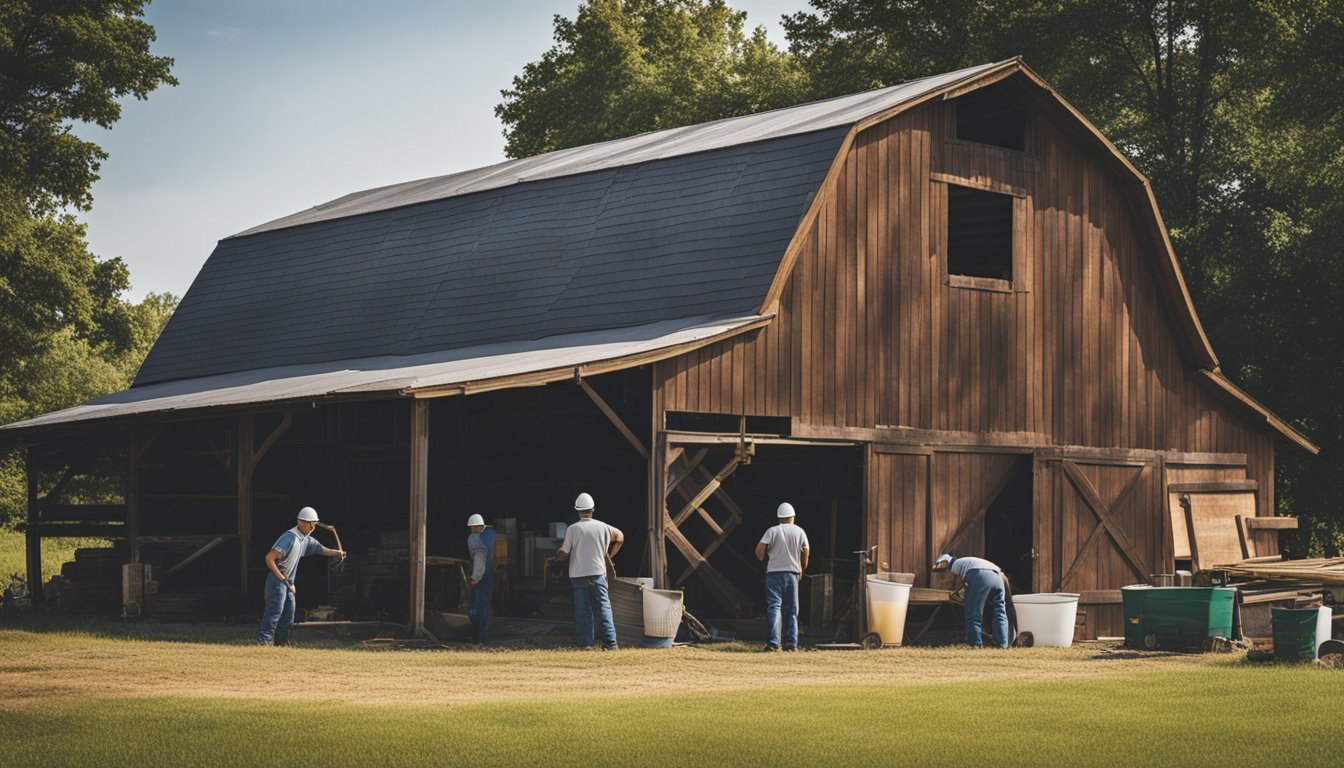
(308, 515)
(583, 503)
(943, 560)
(785, 510)
(475, 520)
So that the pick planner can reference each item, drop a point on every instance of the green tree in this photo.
(61, 62)
(623, 67)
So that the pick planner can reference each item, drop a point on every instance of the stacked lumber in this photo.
(1329, 570)
(91, 583)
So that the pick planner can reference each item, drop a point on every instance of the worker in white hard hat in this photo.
(786, 546)
(481, 545)
(986, 591)
(589, 545)
(283, 563)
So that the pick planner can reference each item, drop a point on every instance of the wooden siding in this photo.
(869, 332)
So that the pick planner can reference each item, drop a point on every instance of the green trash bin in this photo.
(1176, 617)
(1294, 633)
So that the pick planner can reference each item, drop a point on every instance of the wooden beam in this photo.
(33, 539)
(275, 434)
(243, 471)
(135, 452)
(730, 596)
(1271, 523)
(692, 464)
(707, 491)
(194, 556)
(84, 513)
(79, 530)
(613, 418)
(1226, 486)
(419, 511)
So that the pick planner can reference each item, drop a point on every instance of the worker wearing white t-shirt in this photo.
(589, 545)
(786, 546)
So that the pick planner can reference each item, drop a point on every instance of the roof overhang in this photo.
(464, 371)
(1229, 391)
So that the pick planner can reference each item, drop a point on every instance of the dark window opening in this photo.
(990, 117)
(684, 421)
(979, 233)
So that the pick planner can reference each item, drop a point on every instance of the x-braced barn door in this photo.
(688, 516)
(1101, 517)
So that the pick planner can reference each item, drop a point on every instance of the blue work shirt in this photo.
(482, 548)
(293, 545)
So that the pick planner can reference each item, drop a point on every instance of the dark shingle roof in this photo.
(698, 234)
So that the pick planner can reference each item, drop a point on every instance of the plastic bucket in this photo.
(1049, 617)
(1323, 627)
(1295, 633)
(657, 642)
(662, 613)
(887, 601)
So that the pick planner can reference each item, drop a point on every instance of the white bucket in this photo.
(887, 601)
(1323, 627)
(662, 612)
(1049, 617)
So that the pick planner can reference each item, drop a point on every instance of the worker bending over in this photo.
(985, 591)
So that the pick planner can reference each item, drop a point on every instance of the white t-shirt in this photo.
(587, 542)
(963, 565)
(784, 545)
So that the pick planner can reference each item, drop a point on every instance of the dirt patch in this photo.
(44, 667)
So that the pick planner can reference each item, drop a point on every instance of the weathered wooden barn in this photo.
(941, 316)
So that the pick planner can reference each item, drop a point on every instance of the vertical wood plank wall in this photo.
(1082, 351)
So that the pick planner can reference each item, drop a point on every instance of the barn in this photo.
(940, 316)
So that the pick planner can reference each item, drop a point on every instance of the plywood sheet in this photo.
(1207, 532)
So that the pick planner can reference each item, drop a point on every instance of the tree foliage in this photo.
(66, 333)
(623, 67)
(66, 61)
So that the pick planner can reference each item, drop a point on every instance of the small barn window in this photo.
(990, 117)
(979, 233)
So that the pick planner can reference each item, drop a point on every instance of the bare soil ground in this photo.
(46, 666)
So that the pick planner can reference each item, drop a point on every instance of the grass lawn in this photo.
(103, 693)
(55, 552)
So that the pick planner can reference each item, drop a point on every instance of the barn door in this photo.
(965, 486)
(1102, 520)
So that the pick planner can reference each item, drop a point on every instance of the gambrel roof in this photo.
(597, 257)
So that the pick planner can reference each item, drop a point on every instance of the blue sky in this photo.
(284, 104)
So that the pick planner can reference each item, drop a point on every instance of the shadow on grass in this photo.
(242, 632)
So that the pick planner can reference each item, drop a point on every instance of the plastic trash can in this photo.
(1295, 633)
(662, 616)
(1324, 618)
(888, 599)
(1049, 617)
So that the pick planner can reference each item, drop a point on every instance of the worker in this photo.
(985, 592)
(589, 546)
(283, 563)
(481, 545)
(786, 545)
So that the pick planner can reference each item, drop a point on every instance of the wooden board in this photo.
(1211, 526)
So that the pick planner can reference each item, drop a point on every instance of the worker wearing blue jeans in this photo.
(283, 563)
(481, 545)
(786, 547)
(589, 546)
(985, 593)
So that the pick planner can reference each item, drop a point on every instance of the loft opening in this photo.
(979, 233)
(989, 116)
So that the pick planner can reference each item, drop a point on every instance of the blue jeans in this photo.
(781, 592)
(984, 593)
(279, 616)
(480, 609)
(592, 610)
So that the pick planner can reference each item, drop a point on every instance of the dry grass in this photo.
(44, 667)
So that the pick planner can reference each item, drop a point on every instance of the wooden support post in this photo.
(133, 495)
(243, 469)
(419, 511)
(658, 511)
(33, 538)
